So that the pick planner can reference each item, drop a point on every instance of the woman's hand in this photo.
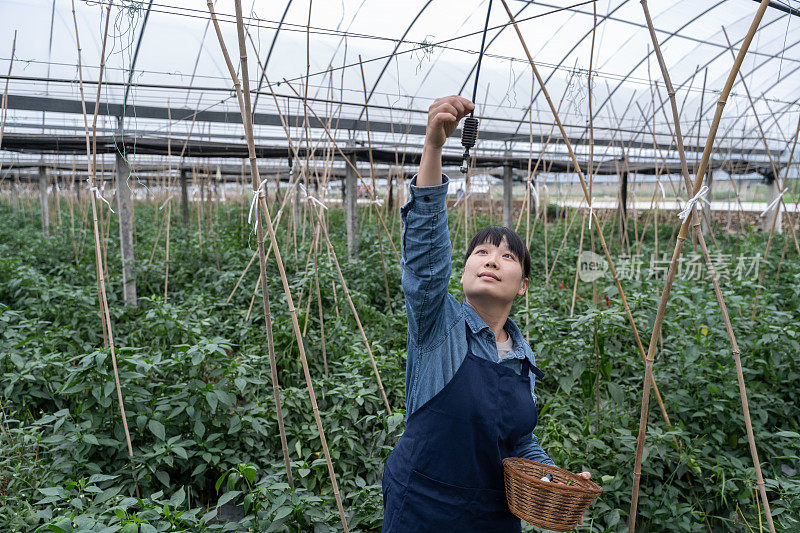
(584, 475)
(444, 115)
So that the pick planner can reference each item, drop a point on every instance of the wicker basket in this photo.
(544, 504)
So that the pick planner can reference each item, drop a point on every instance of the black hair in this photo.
(495, 235)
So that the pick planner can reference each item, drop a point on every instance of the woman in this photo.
(470, 375)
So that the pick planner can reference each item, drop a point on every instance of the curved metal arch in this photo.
(561, 62)
(651, 52)
(438, 57)
(486, 48)
(389, 61)
(664, 100)
(712, 105)
(269, 54)
(754, 69)
(787, 107)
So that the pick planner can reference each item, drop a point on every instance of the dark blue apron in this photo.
(446, 472)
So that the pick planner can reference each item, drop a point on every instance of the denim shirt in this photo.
(438, 324)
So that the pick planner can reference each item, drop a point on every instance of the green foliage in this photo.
(195, 377)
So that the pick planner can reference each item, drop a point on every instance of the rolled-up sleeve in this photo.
(426, 260)
(528, 448)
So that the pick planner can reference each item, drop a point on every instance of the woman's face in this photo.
(493, 274)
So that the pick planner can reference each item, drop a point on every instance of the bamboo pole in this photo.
(332, 253)
(673, 267)
(372, 176)
(260, 204)
(91, 152)
(319, 310)
(244, 106)
(593, 214)
(252, 258)
(577, 267)
(168, 215)
(5, 91)
(351, 165)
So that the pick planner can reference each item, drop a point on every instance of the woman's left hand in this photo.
(584, 475)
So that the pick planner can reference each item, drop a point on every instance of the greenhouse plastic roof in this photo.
(412, 52)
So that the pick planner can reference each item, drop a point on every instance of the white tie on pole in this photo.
(256, 194)
(310, 197)
(535, 194)
(690, 204)
(663, 195)
(97, 194)
(165, 202)
(774, 202)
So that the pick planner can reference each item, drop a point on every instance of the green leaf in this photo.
(157, 428)
(613, 518)
(212, 400)
(220, 481)
(249, 472)
(178, 498)
(108, 494)
(199, 429)
(147, 528)
(228, 496)
(283, 512)
(99, 478)
(240, 383)
(63, 526)
(163, 477)
(91, 439)
(54, 491)
(180, 452)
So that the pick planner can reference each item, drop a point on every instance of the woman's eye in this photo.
(509, 256)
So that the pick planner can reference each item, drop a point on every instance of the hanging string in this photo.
(97, 194)
(256, 194)
(469, 132)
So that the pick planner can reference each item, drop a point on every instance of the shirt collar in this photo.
(477, 324)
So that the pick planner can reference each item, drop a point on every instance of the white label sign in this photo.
(591, 266)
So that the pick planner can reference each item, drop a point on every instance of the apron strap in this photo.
(526, 367)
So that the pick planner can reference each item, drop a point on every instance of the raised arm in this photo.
(426, 239)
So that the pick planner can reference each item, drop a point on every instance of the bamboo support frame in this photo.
(244, 103)
(695, 187)
(332, 253)
(593, 214)
(91, 152)
(244, 100)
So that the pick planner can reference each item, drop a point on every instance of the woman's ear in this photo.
(523, 287)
